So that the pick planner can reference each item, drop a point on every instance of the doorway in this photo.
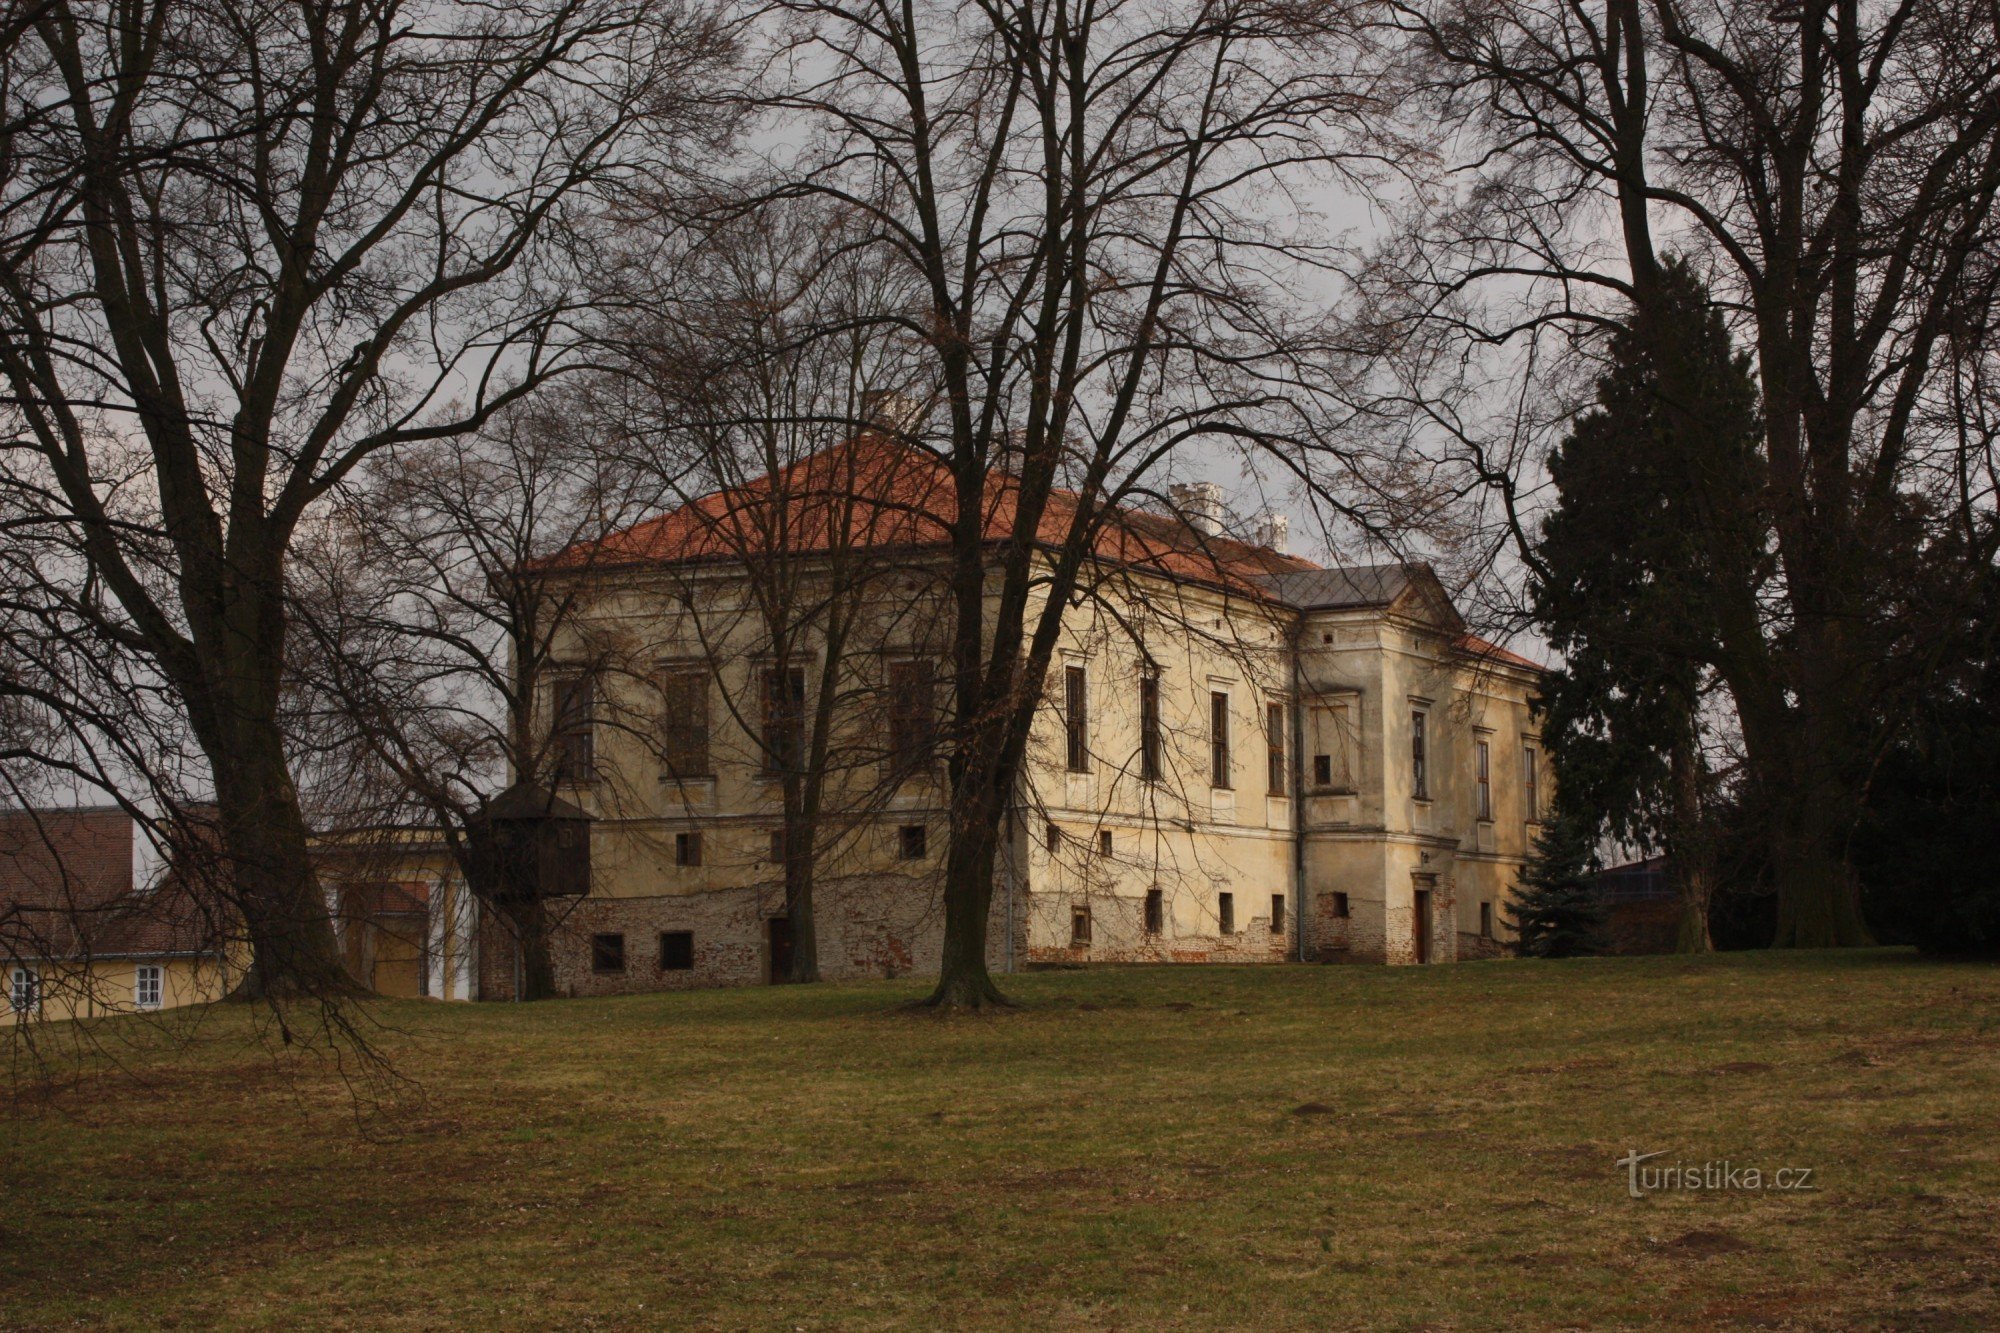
(1421, 925)
(781, 950)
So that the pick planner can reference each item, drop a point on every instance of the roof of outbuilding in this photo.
(66, 891)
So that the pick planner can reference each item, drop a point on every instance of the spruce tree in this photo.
(1652, 548)
(1556, 913)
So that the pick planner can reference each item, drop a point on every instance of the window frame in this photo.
(1079, 927)
(24, 989)
(913, 715)
(1482, 762)
(598, 946)
(1221, 768)
(1225, 913)
(1486, 920)
(572, 739)
(664, 964)
(1277, 914)
(784, 719)
(1277, 782)
(159, 985)
(904, 842)
(1343, 907)
(1155, 919)
(687, 848)
(1420, 767)
(1531, 786)
(1076, 718)
(1149, 727)
(685, 741)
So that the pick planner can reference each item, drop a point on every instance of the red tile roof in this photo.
(874, 493)
(1475, 646)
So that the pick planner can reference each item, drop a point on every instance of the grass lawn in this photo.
(1270, 1147)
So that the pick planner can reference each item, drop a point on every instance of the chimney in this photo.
(890, 412)
(1271, 531)
(1199, 504)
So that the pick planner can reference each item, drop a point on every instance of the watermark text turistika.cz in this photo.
(1694, 1177)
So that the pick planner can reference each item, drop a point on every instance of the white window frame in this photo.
(139, 978)
(24, 998)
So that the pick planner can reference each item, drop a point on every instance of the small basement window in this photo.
(687, 849)
(1155, 911)
(676, 950)
(1340, 905)
(1079, 928)
(1277, 914)
(912, 841)
(607, 952)
(1104, 841)
(1486, 921)
(1225, 910)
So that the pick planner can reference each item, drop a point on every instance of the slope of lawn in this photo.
(1275, 1147)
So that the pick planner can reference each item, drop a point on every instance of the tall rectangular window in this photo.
(1483, 758)
(1225, 912)
(1218, 738)
(1420, 777)
(687, 848)
(1531, 795)
(146, 986)
(684, 725)
(25, 992)
(1076, 719)
(1274, 740)
(1277, 914)
(1486, 921)
(1331, 748)
(784, 719)
(912, 716)
(1079, 928)
(572, 733)
(1149, 728)
(1155, 911)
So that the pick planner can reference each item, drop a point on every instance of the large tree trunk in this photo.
(977, 815)
(269, 874)
(1690, 850)
(800, 850)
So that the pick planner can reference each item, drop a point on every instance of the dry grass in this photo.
(1279, 1147)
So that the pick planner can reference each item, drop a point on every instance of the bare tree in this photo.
(244, 247)
(764, 388)
(1091, 208)
(1831, 169)
(443, 652)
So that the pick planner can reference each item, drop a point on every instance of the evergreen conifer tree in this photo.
(1556, 913)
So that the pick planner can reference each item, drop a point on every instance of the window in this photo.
(1076, 719)
(1274, 740)
(1155, 911)
(912, 842)
(687, 849)
(25, 993)
(1483, 757)
(1218, 739)
(784, 719)
(1340, 905)
(1530, 783)
(1079, 928)
(1277, 914)
(146, 986)
(676, 950)
(912, 716)
(571, 732)
(777, 852)
(1104, 841)
(684, 725)
(1225, 912)
(1486, 921)
(1322, 770)
(607, 953)
(1054, 839)
(1149, 728)
(1420, 779)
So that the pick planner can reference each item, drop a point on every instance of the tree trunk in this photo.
(269, 875)
(977, 813)
(800, 849)
(1689, 847)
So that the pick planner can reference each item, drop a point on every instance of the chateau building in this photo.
(1238, 756)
